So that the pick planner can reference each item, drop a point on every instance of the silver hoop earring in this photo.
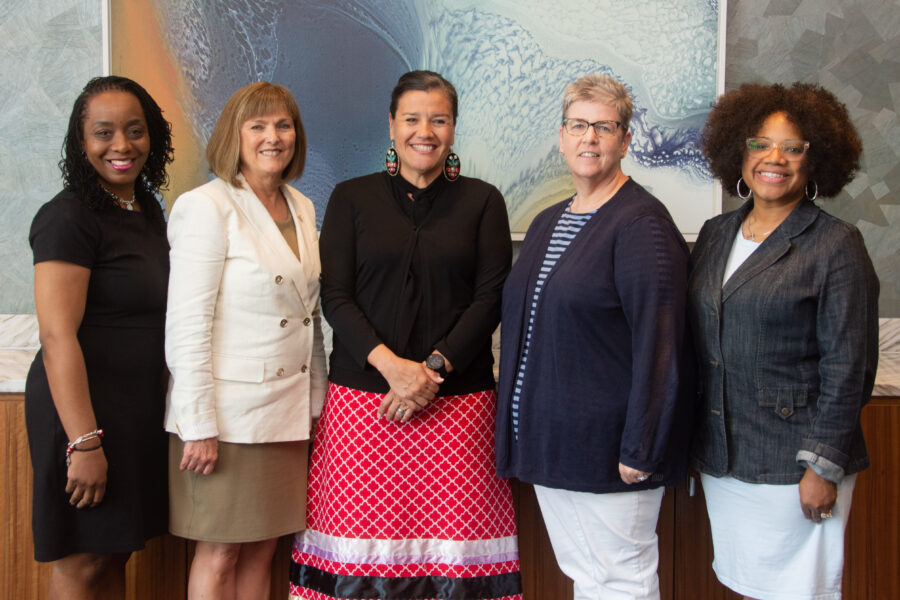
(815, 194)
(749, 191)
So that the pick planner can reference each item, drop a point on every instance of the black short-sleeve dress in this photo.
(121, 337)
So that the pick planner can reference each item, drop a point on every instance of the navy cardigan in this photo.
(610, 373)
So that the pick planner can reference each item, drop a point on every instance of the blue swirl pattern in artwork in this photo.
(508, 59)
(220, 47)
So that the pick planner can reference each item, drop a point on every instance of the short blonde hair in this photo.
(223, 152)
(603, 90)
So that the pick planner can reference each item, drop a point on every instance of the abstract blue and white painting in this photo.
(509, 60)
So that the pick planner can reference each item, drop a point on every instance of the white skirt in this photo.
(766, 549)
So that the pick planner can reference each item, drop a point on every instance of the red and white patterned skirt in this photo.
(413, 511)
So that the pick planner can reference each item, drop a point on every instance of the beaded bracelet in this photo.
(97, 434)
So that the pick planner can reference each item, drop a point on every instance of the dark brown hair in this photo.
(424, 81)
(81, 177)
(834, 145)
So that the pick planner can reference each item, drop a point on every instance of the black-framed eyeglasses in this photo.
(603, 129)
(790, 149)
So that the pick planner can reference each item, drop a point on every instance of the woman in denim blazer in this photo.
(783, 306)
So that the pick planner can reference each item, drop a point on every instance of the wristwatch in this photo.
(435, 362)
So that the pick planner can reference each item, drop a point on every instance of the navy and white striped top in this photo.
(567, 227)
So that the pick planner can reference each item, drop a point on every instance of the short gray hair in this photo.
(603, 90)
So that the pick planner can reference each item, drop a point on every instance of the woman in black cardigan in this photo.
(404, 500)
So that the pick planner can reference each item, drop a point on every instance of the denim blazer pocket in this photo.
(785, 399)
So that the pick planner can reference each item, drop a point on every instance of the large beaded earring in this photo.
(451, 167)
(392, 161)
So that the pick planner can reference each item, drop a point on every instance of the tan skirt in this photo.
(256, 492)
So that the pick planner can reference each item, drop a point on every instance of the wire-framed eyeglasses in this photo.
(790, 149)
(603, 129)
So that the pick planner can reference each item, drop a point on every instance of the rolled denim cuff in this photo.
(823, 467)
(824, 452)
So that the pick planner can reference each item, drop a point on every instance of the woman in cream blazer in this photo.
(244, 346)
(243, 333)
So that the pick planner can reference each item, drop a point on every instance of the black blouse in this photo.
(416, 275)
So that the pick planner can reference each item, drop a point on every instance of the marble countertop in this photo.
(18, 345)
(14, 366)
(887, 380)
(19, 342)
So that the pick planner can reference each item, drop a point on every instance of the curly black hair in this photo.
(834, 144)
(81, 177)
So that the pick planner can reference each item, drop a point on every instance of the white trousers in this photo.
(606, 543)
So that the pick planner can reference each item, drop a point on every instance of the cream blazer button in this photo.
(283, 323)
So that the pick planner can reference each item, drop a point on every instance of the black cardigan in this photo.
(368, 247)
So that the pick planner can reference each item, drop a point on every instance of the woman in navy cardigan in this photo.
(593, 406)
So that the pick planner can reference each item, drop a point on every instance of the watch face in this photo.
(435, 362)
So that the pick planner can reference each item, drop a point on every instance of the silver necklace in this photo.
(752, 236)
(126, 204)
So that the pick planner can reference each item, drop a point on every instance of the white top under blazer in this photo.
(243, 330)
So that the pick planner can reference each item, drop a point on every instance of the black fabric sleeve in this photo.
(64, 230)
(337, 250)
(463, 342)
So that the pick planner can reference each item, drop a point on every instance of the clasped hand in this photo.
(413, 386)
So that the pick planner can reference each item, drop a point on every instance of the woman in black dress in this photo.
(95, 394)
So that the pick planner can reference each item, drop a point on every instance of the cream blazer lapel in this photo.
(306, 280)
(274, 253)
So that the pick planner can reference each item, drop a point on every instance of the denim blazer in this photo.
(787, 348)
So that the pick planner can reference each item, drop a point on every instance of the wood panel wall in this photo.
(159, 572)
